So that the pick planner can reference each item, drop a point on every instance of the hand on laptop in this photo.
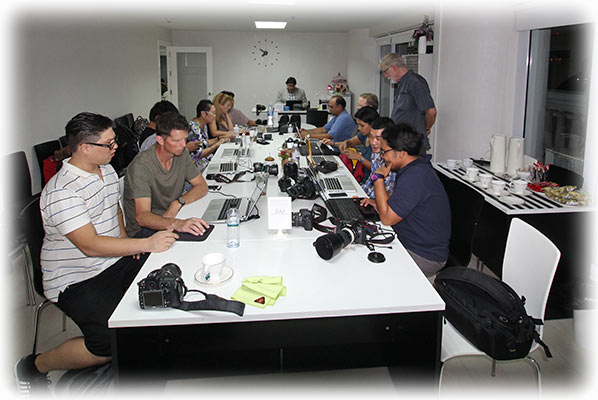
(195, 226)
(368, 202)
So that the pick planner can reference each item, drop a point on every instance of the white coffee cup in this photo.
(213, 263)
(472, 173)
(467, 162)
(518, 186)
(451, 164)
(485, 180)
(497, 187)
(523, 174)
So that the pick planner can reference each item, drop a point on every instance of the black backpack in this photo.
(488, 313)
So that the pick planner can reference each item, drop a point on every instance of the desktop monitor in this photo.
(294, 104)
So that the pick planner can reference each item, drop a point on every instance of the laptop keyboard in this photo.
(229, 203)
(344, 209)
(228, 167)
(332, 184)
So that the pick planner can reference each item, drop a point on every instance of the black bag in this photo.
(488, 313)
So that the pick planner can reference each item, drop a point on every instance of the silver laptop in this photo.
(232, 152)
(216, 211)
(221, 168)
(332, 184)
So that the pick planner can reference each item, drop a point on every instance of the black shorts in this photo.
(90, 303)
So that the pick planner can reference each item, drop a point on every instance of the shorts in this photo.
(90, 303)
(428, 267)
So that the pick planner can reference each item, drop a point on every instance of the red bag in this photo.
(51, 166)
(357, 170)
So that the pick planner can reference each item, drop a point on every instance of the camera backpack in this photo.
(488, 313)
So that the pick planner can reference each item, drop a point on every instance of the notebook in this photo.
(216, 211)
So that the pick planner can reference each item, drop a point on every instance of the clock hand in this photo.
(264, 52)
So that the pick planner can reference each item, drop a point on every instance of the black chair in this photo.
(31, 220)
(466, 207)
(43, 151)
(126, 120)
(316, 118)
(296, 120)
(563, 176)
(63, 141)
(128, 147)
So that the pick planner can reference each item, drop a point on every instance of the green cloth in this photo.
(260, 291)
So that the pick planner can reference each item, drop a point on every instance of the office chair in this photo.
(63, 141)
(126, 120)
(296, 121)
(128, 147)
(31, 220)
(43, 151)
(316, 118)
(466, 207)
(528, 267)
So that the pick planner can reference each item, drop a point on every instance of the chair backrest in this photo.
(19, 192)
(43, 151)
(128, 147)
(563, 176)
(126, 120)
(63, 141)
(466, 206)
(296, 120)
(31, 222)
(529, 265)
(317, 118)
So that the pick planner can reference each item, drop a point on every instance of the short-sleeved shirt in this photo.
(146, 178)
(341, 127)
(238, 117)
(389, 182)
(411, 101)
(419, 198)
(72, 199)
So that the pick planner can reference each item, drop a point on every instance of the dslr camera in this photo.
(162, 288)
(304, 218)
(347, 232)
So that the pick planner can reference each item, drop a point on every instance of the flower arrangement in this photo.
(424, 30)
(285, 155)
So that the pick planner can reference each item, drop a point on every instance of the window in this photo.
(557, 95)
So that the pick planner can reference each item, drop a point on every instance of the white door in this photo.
(189, 77)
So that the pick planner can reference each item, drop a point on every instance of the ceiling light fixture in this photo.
(270, 25)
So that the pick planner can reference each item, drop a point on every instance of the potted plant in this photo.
(423, 34)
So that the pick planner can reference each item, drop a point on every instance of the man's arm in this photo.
(387, 215)
(316, 133)
(199, 190)
(93, 245)
(430, 119)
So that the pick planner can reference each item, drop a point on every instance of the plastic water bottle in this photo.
(236, 130)
(296, 154)
(270, 115)
(232, 222)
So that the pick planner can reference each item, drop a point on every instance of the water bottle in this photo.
(270, 115)
(232, 223)
(236, 130)
(296, 154)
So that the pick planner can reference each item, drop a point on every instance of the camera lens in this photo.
(331, 244)
(172, 269)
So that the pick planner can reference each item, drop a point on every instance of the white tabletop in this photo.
(346, 285)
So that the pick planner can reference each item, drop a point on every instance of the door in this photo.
(189, 77)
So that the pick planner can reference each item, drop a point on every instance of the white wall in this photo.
(475, 85)
(312, 58)
(65, 69)
(362, 63)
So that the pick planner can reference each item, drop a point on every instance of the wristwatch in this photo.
(377, 176)
(181, 201)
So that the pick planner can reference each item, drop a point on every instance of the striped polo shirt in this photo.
(72, 199)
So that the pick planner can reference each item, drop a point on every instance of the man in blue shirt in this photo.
(339, 128)
(418, 208)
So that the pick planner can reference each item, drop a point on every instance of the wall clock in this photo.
(265, 53)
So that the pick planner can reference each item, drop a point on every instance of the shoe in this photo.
(29, 379)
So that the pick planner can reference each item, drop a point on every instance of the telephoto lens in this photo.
(330, 244)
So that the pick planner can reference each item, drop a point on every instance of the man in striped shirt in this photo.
(87, 260)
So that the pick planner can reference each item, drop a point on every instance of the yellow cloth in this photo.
(260, 291)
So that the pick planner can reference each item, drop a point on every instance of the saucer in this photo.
(225, 275)
(512, 200)
(525, 192)
(489, 191)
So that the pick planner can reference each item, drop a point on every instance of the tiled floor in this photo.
(565, 374)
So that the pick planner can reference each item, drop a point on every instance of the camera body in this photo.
(271, 169)
(357, 229)
(304, 218)
(162, 288)
(296, 185)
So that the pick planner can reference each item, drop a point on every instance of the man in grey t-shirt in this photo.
(412, 103)
(155, 179)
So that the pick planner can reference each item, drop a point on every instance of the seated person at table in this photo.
(365, 100)
(339, 128)
(375, 137)
(418, 208)
(149, 133)
(222, 125)
(349, 148)
(85, 265)
(200, 146)
(155, 180)
(236, 115)
(292, 92)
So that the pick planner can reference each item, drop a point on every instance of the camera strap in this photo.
(213, 302)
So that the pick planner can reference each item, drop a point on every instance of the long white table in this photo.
(342, 313)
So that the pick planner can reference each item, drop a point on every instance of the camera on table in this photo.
(347, 232)
(271, 169)
(296, 186)
(162, 288)
(304, 218)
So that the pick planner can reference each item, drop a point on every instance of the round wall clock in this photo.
(265, 53)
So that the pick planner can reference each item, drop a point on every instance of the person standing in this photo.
(292, 92)
(412, 103)
(85, 261)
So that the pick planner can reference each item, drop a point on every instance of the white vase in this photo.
(422, 45)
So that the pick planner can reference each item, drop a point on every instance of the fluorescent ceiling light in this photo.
(270, 25)
(274, 2)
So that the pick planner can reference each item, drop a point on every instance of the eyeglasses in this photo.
(109, 146)
(382, 152)
(387, 68)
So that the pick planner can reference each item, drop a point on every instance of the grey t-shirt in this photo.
(411, 102)
(146, 177)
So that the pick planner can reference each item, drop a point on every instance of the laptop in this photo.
(331, 184)
(348, 209)
(216, 211)
(221, 168)
(232, 152)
